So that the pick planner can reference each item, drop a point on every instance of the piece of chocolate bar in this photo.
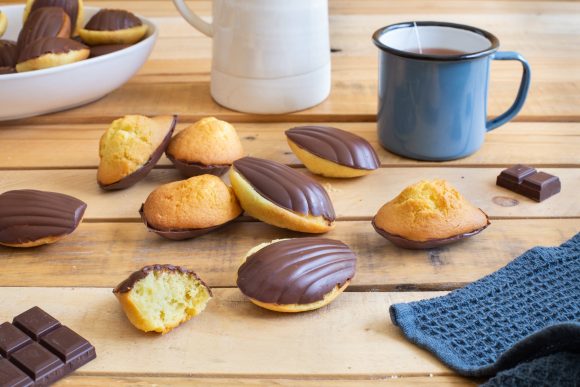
(526, 181)
(36, 350)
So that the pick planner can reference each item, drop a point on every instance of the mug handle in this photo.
(197, 22)
(522, 92)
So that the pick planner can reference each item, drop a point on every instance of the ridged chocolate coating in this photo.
(71, 7)
(7, 53)
(30, 215)
(46, 22)
(296, 271)
(49, 46)
(286, 187)
(336, 145)
(106, 49)
(113, 20)
(195, 169)
(130, 282)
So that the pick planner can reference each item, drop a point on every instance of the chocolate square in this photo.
(12, 376)
(540, 186)
(11, 339)
(517, 173)
(67, 344)
(38, 362)
(35, 322)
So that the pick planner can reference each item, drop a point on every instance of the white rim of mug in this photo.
(493, 40)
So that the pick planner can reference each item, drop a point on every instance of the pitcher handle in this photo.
(197, 22)
(522, 92)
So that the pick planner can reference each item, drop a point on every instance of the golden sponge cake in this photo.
(428, 214)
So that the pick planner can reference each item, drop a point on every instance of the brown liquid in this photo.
(438, 51)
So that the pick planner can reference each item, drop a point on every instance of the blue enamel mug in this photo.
(433, 100)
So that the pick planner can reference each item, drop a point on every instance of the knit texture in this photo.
(529, 308)
(560, 369)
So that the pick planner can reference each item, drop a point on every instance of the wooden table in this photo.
(352, 341)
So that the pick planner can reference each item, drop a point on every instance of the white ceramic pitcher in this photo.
(269, 56)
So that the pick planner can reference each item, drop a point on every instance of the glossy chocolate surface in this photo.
(195, 169)
(30, 215)
(286, 187)
(44, 46)
(46, 22)
(130, 282)
(180, 234)
(105, 49)
(526, 181)
(39, 350)
(336, 145)
(8, 54)
(71, 7)
(296, 271)
(144, 170)
(113, 20)
(405, 243)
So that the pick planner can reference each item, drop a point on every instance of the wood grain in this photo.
(353, 336)
(76, 146)
(353, 198)
(393, 380)
(103, 254)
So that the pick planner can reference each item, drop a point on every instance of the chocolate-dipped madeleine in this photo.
(8, 56)
(429, 214)
(50, 52)
(332, 152)
(208, 146)
(190, 208)
(105, 49)
(157, 298)
(130, 148)
(113, 26)
(46, 22)
(279, 195)
(3, 23)
(30, 218)
(296, 275)
(73, 8)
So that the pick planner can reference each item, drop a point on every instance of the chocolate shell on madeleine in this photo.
(332, 152)
(73, 8)
(130, 148)
(296, 275)
(429, 214)
(113, 26)
(8, 56)
(30, 218)
(208, 146)
(105, 49)
(279, 195)
(190, 208)
(50, 52)
(46, 22)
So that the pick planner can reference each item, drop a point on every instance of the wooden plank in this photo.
(103, 254)
(394, 380)
(353, 336)
(351, 197)
(76, 146)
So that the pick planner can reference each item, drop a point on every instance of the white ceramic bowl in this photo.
(64, 87)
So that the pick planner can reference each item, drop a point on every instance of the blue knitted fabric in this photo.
(557, 370)
(529, 308)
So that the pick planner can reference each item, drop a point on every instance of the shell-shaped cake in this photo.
(281, 196)
(131, 147)
(113, 26)
(31, 218)
(296, 275)
(158, 298)
(332, 152)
